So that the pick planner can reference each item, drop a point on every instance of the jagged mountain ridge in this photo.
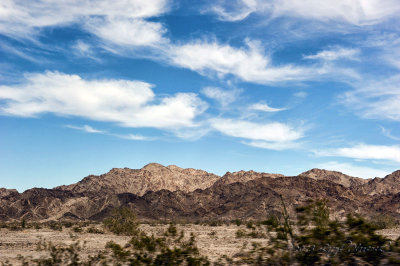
(152, 177)
(334, 176)
(159, 192)
(382, 186)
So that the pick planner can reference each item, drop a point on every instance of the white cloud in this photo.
(132, 137)
(388, 45)
(248, 63)
(388, 133)
(272, 135)
(122, 22)
(265, 108)
(89, 129)
(357, 12)
(86, 128)
(301, 94)
(124, 27)
(376, 99)
(236, 10)
(352, 170)
(224, 97)
(277, 146)
(127, 31)
(128, 103)
(335, 53)
(193, 134)
(82, 48)
(366, 152)
(20, 53)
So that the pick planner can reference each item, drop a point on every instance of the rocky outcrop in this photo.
(7, 192)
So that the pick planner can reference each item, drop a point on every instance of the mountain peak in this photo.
(174, 167)
(152, 177)
(244, 176)
(334, 176)
(319, 172)
(153, 166)
(197, 194)
(394, 175)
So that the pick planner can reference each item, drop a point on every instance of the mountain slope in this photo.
(336, 177)
(159, 192)
(390, 184)
(152, 177)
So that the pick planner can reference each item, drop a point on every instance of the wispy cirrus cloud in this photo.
(90, 129)
(335, 54)
(127, 32)
(125, 28)
(133, 137)
(388, 133)
(365, 152)
(388, 46)
(83, 49)
(127, 103)
(86, 128)
(263, 107)
(236, 10)
(270, 135)
(353, 170)
(224, 97)
(249, 63)
(357, 12)
(375, 99)
(122, 22)
(276, 146)
(5, 48)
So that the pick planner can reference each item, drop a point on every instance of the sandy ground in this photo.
(212, 241)
(29, 242)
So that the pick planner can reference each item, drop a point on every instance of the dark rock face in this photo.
(158, 192)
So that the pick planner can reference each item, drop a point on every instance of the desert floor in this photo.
(212, 241)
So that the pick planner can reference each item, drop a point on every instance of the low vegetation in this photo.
(311, 237)
(122, 222)
(315, 239)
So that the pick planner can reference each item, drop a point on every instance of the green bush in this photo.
(171, 231)
(250, 225)
(67, 224)
(122, 222)
(240, 233)
(94, 230)
(383, 221)
(237, 222)
(316, 239)
(149, 250)
(77, 229)
(56, 226)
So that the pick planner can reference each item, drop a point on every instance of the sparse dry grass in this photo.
(212, 241)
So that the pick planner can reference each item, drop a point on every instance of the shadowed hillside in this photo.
(158, 192)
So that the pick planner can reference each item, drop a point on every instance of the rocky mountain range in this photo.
(158, 192)
(152, 177)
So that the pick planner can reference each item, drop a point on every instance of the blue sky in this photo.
(277, 86)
